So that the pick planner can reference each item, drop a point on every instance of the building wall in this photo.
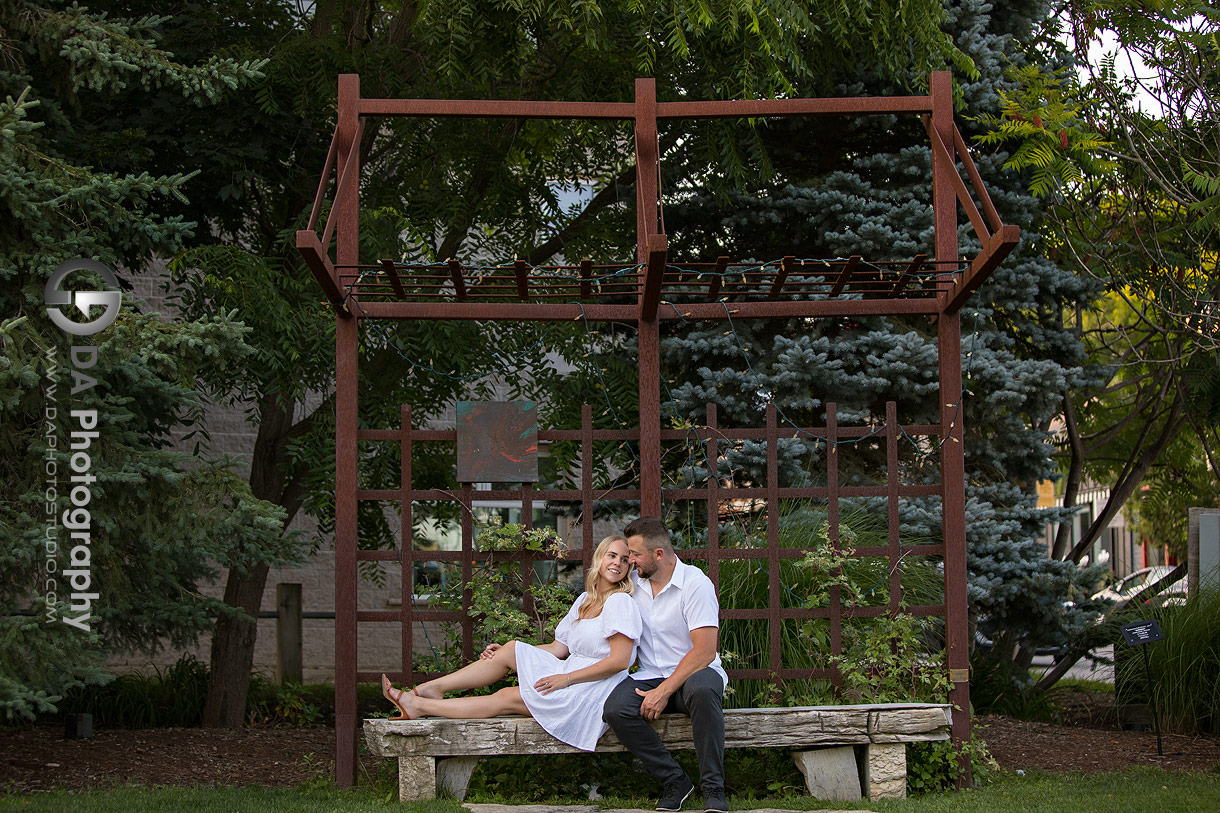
(1117, 546)
(379, 644)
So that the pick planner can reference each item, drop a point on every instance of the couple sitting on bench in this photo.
(666, 612)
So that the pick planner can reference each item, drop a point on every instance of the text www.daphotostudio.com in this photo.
(76, 519)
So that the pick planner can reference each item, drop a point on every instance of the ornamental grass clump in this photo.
(1185, 666)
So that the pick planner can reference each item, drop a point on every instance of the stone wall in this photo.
(379, 646)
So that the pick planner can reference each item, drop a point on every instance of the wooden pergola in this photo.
(646, 293)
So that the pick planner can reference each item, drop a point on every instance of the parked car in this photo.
(1128, 586)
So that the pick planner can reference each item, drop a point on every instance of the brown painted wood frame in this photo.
(386, 297)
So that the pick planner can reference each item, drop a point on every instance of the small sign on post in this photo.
(1142, 633)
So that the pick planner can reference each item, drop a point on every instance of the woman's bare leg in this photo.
(473, 675)
(505, 701)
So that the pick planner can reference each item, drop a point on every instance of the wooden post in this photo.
(952, 411)
(347, 341)
(288, 632)
(647, 169)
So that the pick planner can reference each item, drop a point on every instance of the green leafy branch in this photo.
(1044, 124)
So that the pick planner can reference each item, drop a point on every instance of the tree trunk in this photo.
(1138, 465)
(233, 651)
(1072, 481)
(233, 640)
(1060, 668)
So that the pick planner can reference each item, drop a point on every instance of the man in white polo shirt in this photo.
(679, 668)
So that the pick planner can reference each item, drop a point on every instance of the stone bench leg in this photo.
(422, 778)
(453, 775)
(830, 773)
(416, 778)
(883, 770)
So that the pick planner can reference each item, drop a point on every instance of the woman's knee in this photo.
(510, 701)
(507, 653)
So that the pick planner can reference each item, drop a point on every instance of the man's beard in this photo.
(645, 569)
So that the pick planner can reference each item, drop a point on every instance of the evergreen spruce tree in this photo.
(864, 187)
(150, 523)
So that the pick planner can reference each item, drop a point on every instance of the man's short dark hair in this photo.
(652, 530)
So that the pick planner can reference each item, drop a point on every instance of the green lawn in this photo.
(1146, 789)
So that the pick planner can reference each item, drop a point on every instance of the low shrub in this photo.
(175, 697)
(170, 699)
(290, 705)
(999, 687)
(884, 659)
(750, 773)
(539, 779)
(935, 766)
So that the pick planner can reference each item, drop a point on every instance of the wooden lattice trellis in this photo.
(647, 293)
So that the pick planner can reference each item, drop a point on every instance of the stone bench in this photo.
(844, 752)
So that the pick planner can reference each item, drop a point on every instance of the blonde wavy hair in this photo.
(599, 589)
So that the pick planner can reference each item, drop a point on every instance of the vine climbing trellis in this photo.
(645, 293)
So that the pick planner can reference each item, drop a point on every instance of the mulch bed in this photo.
(40, 758)
(1028, 746)
(1087, 737)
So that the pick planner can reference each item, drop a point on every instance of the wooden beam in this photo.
(350, 168)
(322, 268)
(520, 269)
(959, 186)
(654, 274)
(845, 275)
(713, 290)
(316, 211)
(489, 109)
(784, 271)
(740, 109)
(586, 276)
(760, 108)
(976, 180)
(459, 284)
(389, 269)
(559, 312)
(1002, 242)
(908, 273)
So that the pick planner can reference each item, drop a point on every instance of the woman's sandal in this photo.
(386, 686)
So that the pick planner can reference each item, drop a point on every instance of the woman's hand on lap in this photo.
(550, 683)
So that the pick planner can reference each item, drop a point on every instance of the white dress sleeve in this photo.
(620, 615)
(564, 629)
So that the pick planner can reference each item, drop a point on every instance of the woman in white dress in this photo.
(559, 682)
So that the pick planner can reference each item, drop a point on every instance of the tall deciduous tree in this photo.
(1137, 214)
(1153, 235)
(1144, 221)
(126, 390)
(473, 190)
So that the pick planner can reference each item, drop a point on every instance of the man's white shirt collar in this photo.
(677, 578)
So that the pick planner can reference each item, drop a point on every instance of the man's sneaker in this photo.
(715, 803)
(675, 794)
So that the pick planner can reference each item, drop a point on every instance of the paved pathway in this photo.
(1086, 668)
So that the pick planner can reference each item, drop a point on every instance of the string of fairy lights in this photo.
(738, 272)
(696, 448)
